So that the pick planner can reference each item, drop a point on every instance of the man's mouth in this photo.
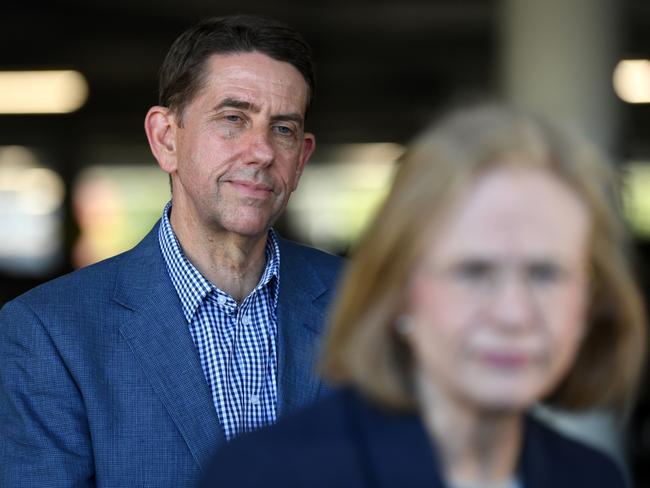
(251, 188)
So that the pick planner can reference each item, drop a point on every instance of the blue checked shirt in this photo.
(236, 343)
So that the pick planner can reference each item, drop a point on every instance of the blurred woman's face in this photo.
(499, 299)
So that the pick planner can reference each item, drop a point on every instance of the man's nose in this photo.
(260, 148)
(513, 304)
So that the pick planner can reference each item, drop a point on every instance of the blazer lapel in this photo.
(160, 339)
(300, 317)
(539, 459)
(395, 446)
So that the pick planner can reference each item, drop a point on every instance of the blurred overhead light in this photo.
(31, 212)
(340, 192)
(632, 80)
(42, 92)
(115, 205)
(636, 196)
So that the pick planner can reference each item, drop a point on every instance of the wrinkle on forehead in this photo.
(258, 79)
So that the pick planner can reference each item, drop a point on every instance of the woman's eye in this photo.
(545, 273)
(474, 271)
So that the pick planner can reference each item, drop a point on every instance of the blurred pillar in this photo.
(558, 57)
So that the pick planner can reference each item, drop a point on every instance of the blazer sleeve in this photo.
(44, 435)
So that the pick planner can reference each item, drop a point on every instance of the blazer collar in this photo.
(300, 318)
(399, 452)
(160, 339)
(543, 451)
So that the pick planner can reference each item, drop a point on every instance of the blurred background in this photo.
(78, 184)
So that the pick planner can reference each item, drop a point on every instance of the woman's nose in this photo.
(512, 303)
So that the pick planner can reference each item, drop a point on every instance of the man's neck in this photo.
(232, 262)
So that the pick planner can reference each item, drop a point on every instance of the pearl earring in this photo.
(404, 324)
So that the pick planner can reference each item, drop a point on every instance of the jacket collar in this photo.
(400, 452)
(300, 317)
(160, 339)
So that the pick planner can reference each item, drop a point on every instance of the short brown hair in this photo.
(363, 348)
(181, 74)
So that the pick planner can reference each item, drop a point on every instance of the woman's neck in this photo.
(475, 447)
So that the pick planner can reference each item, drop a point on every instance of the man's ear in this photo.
(308, 147)
(160, 126)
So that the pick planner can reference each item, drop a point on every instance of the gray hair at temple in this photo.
(181, 74)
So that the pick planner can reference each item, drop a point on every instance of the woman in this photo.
(494, 277)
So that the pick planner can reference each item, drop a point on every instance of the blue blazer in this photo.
(346, 442)
(100, 382)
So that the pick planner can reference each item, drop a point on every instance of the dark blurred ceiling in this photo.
(383, 66)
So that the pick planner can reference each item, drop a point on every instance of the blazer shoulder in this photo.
(92, 282)
(86, 280)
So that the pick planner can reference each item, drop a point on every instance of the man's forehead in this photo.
(241, 104)
(243, 63)
(247, 76)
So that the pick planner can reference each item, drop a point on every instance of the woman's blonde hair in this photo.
(363, 348)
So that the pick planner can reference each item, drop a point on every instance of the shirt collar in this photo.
(191, 286)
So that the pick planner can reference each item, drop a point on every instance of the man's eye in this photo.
(283, 130)
(233, 118)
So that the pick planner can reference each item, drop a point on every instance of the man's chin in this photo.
(247, 227)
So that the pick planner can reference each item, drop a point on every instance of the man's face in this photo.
(240, 146)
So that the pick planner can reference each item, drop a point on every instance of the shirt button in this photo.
(246, 320)
(254, 399)
(221, 300)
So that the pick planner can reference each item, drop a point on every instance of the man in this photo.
(132, 371)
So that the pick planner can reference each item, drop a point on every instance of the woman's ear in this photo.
(404, 325)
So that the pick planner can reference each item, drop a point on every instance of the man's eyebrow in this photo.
(244, 105)
(235, 103)
(291, 117)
